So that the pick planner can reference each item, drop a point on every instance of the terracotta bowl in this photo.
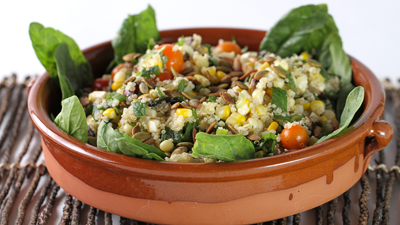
(228, 193)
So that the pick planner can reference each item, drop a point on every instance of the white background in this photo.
(370, 30)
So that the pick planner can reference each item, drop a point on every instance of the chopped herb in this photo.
(160, 94)
(279, 98)
(115, 95)
(181, 41)
(291, 83)
(267, 142)
(194, 113)
(246, 79)
(208, 46)
(213, 61)
(245, 49)
(212, 98)
(147, 72)
(139, 108)
(151, 43)
(234, 39)
(198, 88)
(277, 116)
(117, 111)
(182, 85)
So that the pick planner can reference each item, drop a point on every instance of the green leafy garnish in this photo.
(291, 83)
(279, 98)
(76, 70)
(151, 43)
(147, 72)
(110, 140)
(267, 142)
(197, 122)
(135, 33)
(176, 136)
(228, 148)
(160, 93)
(115, 95)
(212, 98)
(181, 41)
(139, 108)
(353, 103)
(182, 85)
(72, 119)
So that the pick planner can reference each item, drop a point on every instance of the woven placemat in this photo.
(28, 195)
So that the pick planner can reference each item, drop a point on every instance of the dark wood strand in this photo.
(297, 219)
(331, 212)
(66, 216)
(108, 218)
(388, 196)
(123, 221)
(43, 194)
(76, 212)
(28, 140)
(363, 202)
(6, 187)
(40, 170)
(346, 208)
(320, 219)
(91, 216)
(35, 156)
(44, 218)
(6, 98)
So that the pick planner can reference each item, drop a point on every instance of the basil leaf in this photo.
(72, 119)
(182, 85)
(139, 108)
(135, 33)
(45, 42)
(353, 103)
(345, 89)
(228, 148)
(291, 83)
(110, 140)
(65, 69)
(176, 136)
(115, 95)
(147, 72)
(279, 98)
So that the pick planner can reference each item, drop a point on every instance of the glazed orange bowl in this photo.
(196, 193)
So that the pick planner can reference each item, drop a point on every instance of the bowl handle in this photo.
(379, 137)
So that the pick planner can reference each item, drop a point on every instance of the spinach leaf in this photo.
(182, 85)
(115, 95)
(110, 140)
(176, 136)
(72, 119)
(353, 103)
(279, 98)
(345, 89)
(301, 29)
(187, 136)
(135, 33)
(281, 117)
(45, 42)
(147, 72)
(267, 141)
(139, 108)
(65, 68)
(228, 148)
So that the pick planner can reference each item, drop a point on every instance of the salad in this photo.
(189, 101)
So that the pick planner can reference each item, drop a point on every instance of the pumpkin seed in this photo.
(269, 59)
(213, 89)
(188, 145)
(226, 80)
(187, 70)
(224, 63)
(149, 141)
(314, 63)
(253, 137)
(141, 136)
(188, 95)
(227, 97)
(203, 99)
(131, 56)
(136, 129)
(195, 103)
(223, 86)
(179, 150)
(185, 106)
(194, 132)
(246, 68)
(236, 74)
(224, 69)
(241, 85)
(211, 127)
(149, 83)
(279, 71)
(247, 74)
(176, 105)
(232, 129)
(175, 94)
(130, 79)
(260, 74)
(237, 65)
(143, 88)
(143, 96)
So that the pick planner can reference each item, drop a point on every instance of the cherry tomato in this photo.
(100, 84)
(116, 69)
(228, 46)
(294, 137)
(175, 58)
(164, 75)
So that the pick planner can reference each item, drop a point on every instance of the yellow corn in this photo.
(318, 77)
(250, 64)
(239, 90)
(159, 64)
(212, 70)
(223, 112)
(317, 106)
(305, 55)
(322, 119)
(119, 124)
(306, 106)
(220, 75)
(260, 110)
(273, 126)
(110, 113)
(243, 106)
(269, 92)
(235, 118)
(184, 112)
(116, 85)
(263, 66)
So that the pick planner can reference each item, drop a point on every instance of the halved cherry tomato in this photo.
(100, 84)
(228, 46)
(164, 75)
(294, 137)
(116, 69)
(175, 58)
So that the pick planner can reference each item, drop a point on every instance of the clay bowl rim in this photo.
(373, 109)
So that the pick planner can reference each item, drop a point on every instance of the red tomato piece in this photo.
(228, 46)
(294, 137)
(175, 58)
(100, 84)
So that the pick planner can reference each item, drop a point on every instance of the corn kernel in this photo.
(243, 106)
(306, 106)
(184, 112)
(273, 126)
(220, 75)
(116, 85)
(322, 119)
(239, 90)
(110, 113)
(250, 64)
(269, 92)
(305, 55)
(159, 64)
(318, 77)
(212, 70)
(202, 80)
(264, 66)
(254, 124)
(235, 118)
(260, 110)
(223, 112)
(119, 76)
(317, 106)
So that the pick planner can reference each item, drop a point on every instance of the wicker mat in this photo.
(28, 195)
